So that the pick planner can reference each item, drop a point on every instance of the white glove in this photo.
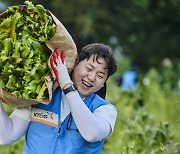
(59, 68)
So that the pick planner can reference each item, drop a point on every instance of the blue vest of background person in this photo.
(64, 138)
(128, 81)
(179, 87)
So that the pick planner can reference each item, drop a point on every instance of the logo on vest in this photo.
(45, 117)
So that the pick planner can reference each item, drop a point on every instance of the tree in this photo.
(147, 30)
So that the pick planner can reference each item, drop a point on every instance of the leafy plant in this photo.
(24, 30)
(148, 128)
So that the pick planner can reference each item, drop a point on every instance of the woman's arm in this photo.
(92, 126)
(11, 128)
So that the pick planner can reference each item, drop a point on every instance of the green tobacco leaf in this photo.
(30, 7)
(24, 54)
(6, 23)
(26, 51)
(16, 93)
(7, 43)
(2, 84)
(3, 35)
(33, 85)
(16, 54)
(41, 92)
(11, 83)
(7, 70)
(41, 11)
(17, 16)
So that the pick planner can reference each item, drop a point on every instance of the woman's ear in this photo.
(76, 62)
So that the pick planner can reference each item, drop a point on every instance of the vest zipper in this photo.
(55, 143)
(59, 131)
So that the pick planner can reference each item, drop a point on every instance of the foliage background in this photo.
(141, 32)
(147, 31)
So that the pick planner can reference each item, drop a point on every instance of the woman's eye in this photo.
(88, 69)
(99, 76)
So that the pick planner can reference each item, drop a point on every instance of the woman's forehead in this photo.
(99, 60)
(96, 58)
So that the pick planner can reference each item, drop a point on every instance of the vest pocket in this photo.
(71, 124)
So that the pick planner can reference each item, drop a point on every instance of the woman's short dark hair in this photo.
(100, 50)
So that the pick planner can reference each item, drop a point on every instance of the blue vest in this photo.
(43, 138)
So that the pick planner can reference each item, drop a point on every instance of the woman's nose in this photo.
(92, 76)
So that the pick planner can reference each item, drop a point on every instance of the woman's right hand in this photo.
(59, 68)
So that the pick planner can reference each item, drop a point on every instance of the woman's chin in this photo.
(83, 93)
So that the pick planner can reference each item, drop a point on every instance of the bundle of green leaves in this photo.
(24, 31)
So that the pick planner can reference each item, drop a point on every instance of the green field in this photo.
(151, 128)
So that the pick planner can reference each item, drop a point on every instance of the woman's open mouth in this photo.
(86, 84)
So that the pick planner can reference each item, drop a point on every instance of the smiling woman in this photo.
(94, 65)
(100, 50)
(90, 75)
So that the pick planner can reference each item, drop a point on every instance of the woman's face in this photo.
(89, 75)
